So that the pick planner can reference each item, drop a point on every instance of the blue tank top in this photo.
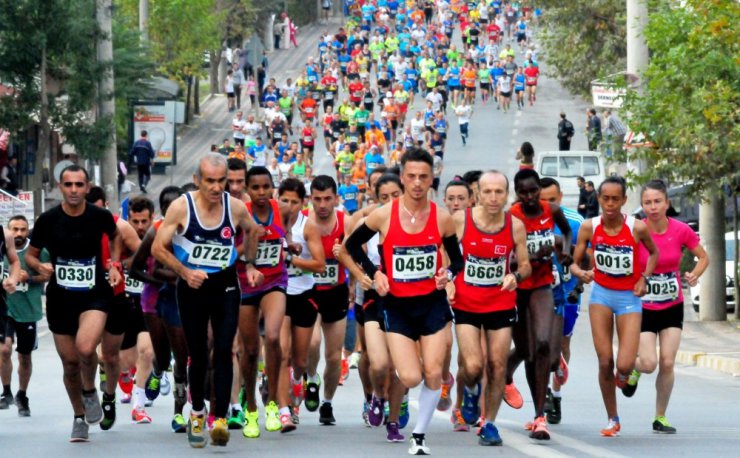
(208, 249)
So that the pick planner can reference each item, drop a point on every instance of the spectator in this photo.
(525, 155)
(581, 182)
(238, 81)
(565, 133)
(592, 201)
(614, 132)
(9, 176)
(142, 154)
(593, 129)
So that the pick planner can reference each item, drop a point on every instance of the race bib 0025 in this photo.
(662, 288)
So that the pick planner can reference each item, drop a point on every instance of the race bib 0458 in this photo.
(412, 264)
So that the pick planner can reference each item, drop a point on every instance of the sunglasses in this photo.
(69, 184)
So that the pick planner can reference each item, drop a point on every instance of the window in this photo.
(570, 166)
(590, 166)
(549, 167)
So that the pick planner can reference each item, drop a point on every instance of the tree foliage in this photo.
(583, 40)
(688, 107)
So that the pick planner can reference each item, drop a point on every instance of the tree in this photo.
(688, 109)
(583, 40)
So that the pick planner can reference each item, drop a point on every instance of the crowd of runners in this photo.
(243, 275)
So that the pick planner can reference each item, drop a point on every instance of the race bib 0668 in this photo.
(330, 276)
(75, 274)
(484, 272)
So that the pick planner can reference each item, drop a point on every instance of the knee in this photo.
(71, 367)
(110, 357)
(147, 355)
(251, 350)
(410, 379)
(433, 377)
(542, 348)
(272, 341)
(606, 364)
(472, 370)
(496, 369)
(333, 358)
(648, 365)
(5, 351)
(666, 364)
(87, 352)
(24, 361)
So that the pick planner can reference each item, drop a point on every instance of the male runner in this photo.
(78, 296)
(200, 228)
(412, 230)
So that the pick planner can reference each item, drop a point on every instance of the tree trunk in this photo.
(189, 85)
(42, 154)
(144, 20)
(214, 61)
(196, 97)
(712, 299)
(106, 102)
(736, 273)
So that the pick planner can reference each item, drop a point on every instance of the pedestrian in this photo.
(326, 6)
(614, 132)
(9, 176)
(463, 112)
(238, 81)
(525, 156)
(593, 129)
(229, 89)
(142, 154)
(565, 133)
(277, 31)
(592, 200)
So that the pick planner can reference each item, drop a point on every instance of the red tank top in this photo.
(120, 288)
(270, 257)
(334, 274)
(307, 137)
(486, 255)
(540, 232)
(411, 260)
(614, 256)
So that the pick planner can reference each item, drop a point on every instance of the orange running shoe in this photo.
(345, 371)
(561, 374)
(539, 431)
(512, 396)
(445, 400)
(612, 429)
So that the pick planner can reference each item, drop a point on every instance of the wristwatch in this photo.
(450, 276)
(647, 279)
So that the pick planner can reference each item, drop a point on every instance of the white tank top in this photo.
(372, 249)
(299, 281)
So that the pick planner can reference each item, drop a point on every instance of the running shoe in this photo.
(458, 423)
(661, 426)
(272, 417)
(93, 410)
(209, 421)
(252, 426)
(470, 409)
(375, 413)
(631, 386)
(345, 371)
(445, 400)
(403, 417)
(326, 414)
(220, 432)
(109, 412)
(539, 430)
(236, 420)
(365, 408)
(561, 373)
(354, 360)
(294, 415)
(152, 386)
(312, 395)
(165, 387)
(126, 398)
(489, 435)
(554, 415)
(286, 423)
(80, 431)
(419, 447)
(393, 434)
(196, 430)
(139, 416)
(264, 389)
(296, 393)
(6, 400)
(620, 380)
(548, 400)
(21, 400)
(612, 429)
(126, 382)
(103, 378)
(512, 396)
(179, 425)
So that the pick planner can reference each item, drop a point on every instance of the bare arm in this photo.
(584, 237)
(317, 263)
(128, 238)
(251, 239)
(701, 265)
(15, 264)
(161, 246)
(562, 222)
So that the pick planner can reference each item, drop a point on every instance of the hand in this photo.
(565, 259)
(23, 277)
(9, 285)
(441, 278)
(510, 283)
(46, 269)
(640, 288)
(450, 288)
(194, 278)
(544, 252)
(254, 276)
(586, 276)
(114, 277)
(295, 248)
(381, 284)
(691, 278)
(366, 282)
(351, 298)
(335, 249)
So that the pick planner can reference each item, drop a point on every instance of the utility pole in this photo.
(144, 20)
(637, 50)
(106, 102)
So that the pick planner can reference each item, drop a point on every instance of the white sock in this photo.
(285, 410)
(556, 394)
(473, 390)
(297, 378)
(139, 398)
(237, 407)
(313, 378)
(327, 401)
(428, 400)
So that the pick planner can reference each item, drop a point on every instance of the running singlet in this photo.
(334, 274)
(412, 260)
(150, 292)
(540, 232)
(208, 249)
(299, 281)
(486, 255)
(121, 287)
(664, 288)
(615, 255)
(270, 257)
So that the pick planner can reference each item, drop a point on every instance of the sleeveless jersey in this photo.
(334, 274)
(208, 249)
(270, 258)
(150, 292)
(486, 255)
(540, 232)
(307, 137)
(615, 256)
(412, 260)
(299, 280)
(105, 253)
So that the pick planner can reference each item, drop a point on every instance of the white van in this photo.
(566, 166)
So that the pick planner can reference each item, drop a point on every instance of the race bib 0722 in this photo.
(207, 255)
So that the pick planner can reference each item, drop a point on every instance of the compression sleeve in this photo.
(354, 243)
(452, 247)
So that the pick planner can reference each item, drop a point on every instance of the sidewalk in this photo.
(711, 344)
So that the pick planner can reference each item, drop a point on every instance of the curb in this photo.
(714, 361)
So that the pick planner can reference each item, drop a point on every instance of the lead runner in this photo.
(412, 230)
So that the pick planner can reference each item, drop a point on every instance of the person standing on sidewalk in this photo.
(593, 129)
(142, 154)
(662, 314)
(565, 133)
(237, 80)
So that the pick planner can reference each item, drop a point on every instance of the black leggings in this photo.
(217, 301)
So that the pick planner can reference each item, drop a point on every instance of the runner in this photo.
(484, 297)
(415, 308)
(618, 285)
(662, 314)
(200, 227)
(78, 294)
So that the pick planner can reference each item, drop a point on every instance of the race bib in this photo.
(206, 255)
(538, 239)
(329, 96)
(531, 79)
(615, 261)
(294, 271)
(330, 275)
(268, 253)
(485, 272)
(412, 264)
(75, 274)
(555, 276)
(21, 287)
(350, 196)
(133, 286)
(662, 288)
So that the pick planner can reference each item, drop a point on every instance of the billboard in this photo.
(150, 116)
(22, 204)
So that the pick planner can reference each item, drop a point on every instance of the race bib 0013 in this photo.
(615, 261)
(75, 274)
(412, 264)
(485, 272)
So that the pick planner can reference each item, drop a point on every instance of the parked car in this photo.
(730, 268)
(566, 166)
